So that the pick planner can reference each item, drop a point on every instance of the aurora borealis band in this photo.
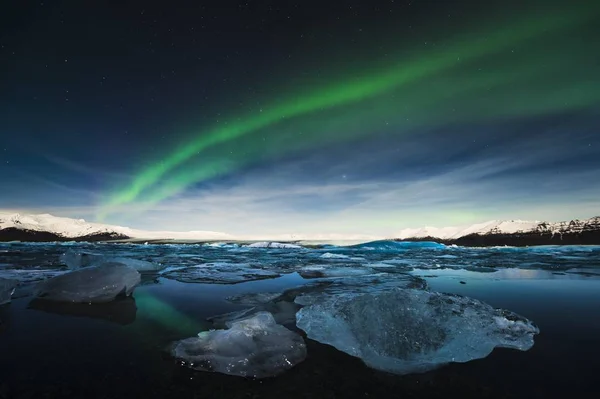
(393, 78)
(330, 113)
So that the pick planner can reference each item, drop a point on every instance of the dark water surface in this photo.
(118, 350)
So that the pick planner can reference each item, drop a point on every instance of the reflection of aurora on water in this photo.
(153, 312)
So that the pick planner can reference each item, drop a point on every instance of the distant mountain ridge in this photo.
(511, 233)
(45, 227)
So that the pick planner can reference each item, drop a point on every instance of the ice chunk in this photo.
(7, 288)
(316, 271)
(94, 284)
(405, 330)
(272, 244)
(77, 259)
(252, 347)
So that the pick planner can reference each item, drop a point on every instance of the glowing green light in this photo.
(455, 97)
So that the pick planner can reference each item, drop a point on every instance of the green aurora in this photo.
(530, 67)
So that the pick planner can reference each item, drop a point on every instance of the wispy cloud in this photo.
(375, 187)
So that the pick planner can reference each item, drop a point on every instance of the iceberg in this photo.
(255, 347)
(7, 288)
(404, 331)
(93, 284)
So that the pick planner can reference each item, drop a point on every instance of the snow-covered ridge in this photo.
(502, 227)
(73, 228)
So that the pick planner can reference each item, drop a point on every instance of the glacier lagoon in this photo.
(377, 318)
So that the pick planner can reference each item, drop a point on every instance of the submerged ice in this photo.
(407, 330)
(255, 346)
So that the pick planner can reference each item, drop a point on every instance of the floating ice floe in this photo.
(406, 330)
(272, 244)
(76, 259)
(316, 271)
(93, 284)
(220, 273)
(255, 347)
(7, 288)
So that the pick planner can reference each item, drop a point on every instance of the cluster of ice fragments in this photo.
(389, 320)
(395, 326)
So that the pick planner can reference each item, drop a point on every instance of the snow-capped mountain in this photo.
(511, 232)
(452, 233)
(46, 226)
(501, 227)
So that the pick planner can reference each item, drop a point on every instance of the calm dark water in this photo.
(118, 351)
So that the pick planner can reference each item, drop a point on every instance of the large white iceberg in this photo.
(93, 284)
(406, 330)
(255, 347)
(7, 288)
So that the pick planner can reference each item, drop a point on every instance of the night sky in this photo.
(308, 117)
